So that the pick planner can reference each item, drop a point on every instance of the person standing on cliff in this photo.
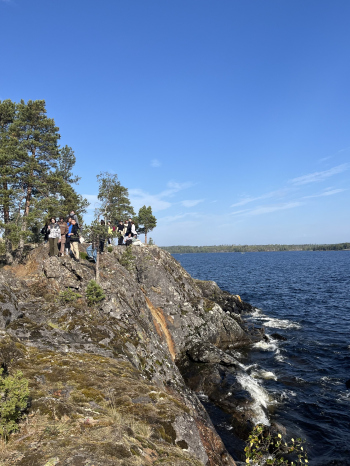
(54, 234)
(74, 240)
(129, 227)
(69, 226)
(64, 230)
(73, 215)
(120, 229)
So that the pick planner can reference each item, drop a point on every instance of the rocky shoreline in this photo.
(117, 383)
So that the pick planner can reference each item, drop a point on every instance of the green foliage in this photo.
(36, 177)
(83, 255)
(115, 203)
(264, 449)
(110, 249)
(14, 394)
(127, 259)
(94, 293)
(257, 248)
(69, 295)
(147, 219)
(151, 242)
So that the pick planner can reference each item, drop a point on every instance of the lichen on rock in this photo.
(111, 383)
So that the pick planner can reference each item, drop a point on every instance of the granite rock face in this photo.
(112, 384)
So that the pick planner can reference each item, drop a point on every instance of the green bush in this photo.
(263, 448)
(127, 259)
(110, 248)
(83, 255)
(69, 295)
(94, 293)
(14, 394)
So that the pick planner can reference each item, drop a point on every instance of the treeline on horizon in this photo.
(257, 248)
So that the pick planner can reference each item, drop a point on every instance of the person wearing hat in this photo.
(54, 234)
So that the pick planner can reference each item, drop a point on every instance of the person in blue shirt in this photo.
(70, 226)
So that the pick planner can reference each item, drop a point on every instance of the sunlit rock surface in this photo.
(113, 384)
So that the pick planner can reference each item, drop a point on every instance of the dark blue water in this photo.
(305, 297)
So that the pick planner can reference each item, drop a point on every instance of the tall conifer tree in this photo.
(115, 203)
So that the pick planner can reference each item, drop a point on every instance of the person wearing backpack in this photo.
(54, 234)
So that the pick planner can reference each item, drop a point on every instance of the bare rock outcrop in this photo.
(111, 384)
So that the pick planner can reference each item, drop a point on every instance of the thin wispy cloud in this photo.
(191, 203)
(238, 212)
(274, 208)
(155, 163)
(325, 193)
(319, 176)
(341, 151)
(175, 218)
(139, 198)
(262, 210)
(247, 200)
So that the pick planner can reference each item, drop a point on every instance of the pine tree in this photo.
(10, 161)
(147, 219)
(36, 175)
(115, 203)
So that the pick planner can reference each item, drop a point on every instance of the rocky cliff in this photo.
(116, 383)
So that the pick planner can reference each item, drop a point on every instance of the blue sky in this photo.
(230, 118)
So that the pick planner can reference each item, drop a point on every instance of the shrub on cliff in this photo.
(264, 449)
(14, 394)
(127, 259)
(94, 293)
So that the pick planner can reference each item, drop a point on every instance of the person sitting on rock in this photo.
(136, 241)
(54, 234)
(128, 240)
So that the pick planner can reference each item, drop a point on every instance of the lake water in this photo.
(305, 297)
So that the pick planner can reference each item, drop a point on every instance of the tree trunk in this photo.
(8, 251)
(145, 236)
(8, 242)
(97, 268)
(19, 252)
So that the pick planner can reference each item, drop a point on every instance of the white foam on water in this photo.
(259, 396)
(281, 323)
(266, 345)
(262, 374)
(285, 394)
(280, 358)
(272, 322)
(345, 396)
(247, 368)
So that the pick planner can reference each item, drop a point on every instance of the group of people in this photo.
(63, 235)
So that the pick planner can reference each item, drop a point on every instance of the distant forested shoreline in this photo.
(257, 248)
